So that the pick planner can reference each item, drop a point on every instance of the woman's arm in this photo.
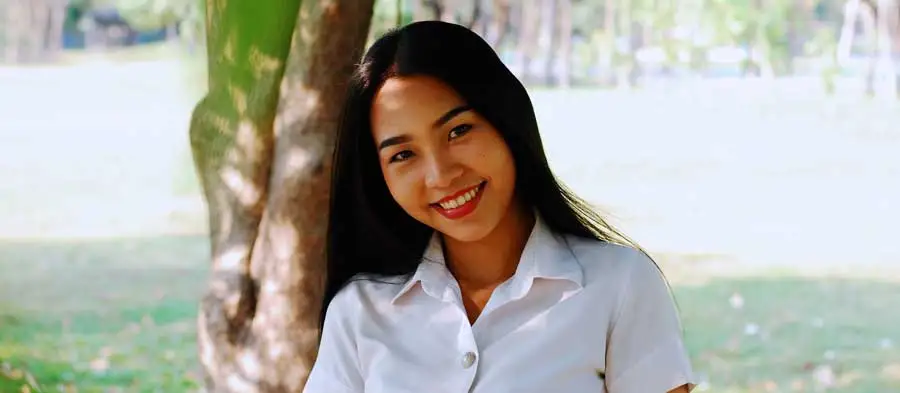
(645, 351)
(336, 369)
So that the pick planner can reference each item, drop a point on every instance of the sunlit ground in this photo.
(771, 208)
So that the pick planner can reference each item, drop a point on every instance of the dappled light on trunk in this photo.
(262, 140)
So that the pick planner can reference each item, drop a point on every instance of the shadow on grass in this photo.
(120, 313)
(100, 314)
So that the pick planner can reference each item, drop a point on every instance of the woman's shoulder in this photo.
(366, 289)
(603, 261)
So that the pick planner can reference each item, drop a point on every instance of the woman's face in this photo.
(444, 164)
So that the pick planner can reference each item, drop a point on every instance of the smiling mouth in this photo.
(460, 199)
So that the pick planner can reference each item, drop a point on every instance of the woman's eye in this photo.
(460, 130)
(401, 156)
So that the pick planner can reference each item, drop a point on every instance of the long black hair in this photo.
(369, 234)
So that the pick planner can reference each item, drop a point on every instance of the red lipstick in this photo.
(450, 207)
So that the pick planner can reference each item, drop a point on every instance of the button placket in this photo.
(467, 354)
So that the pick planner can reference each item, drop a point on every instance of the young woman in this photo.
(457, 262)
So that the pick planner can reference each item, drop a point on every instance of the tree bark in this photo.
(497, 27)
(477, 17)
(528, 37)
(607, 51)
(261, 140)
(549, 39)
(630, 28)
(887, 25)
(867, 16)
(429, 9)
(38, 29)
(16, 27)
(848, 31)
(448, 10)
(57, 21)
(565, 43)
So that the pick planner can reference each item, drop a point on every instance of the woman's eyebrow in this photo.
(394, 140)
(450, 115)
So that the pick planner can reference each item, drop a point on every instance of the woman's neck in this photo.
(486, 263)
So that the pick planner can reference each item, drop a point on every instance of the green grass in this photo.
(804, 325)
(99, 315)
(102, 314)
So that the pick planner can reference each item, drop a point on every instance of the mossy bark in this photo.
(261, 140)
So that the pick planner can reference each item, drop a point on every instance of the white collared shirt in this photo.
(578, 316)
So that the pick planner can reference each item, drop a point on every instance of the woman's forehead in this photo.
(413, 99)
(416, 89)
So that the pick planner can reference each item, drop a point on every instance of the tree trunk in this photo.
(57, 21)
(171, 32)
(886, 26)
(37, 30)
(848, 32)
(448, 10)
(498, 26)
(631, 29)
(528, 37)
(798, 30)
(261, 141)
(867, 16)
(549, 39)
(429, 9)
(607, 51)
(565, 43)
(477, 17)
(15, 26)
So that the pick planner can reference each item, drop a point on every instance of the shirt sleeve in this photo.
(336, 369)
(645, 350)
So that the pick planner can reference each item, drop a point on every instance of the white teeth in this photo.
(461, 200)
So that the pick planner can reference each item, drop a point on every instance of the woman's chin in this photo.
(466, 231)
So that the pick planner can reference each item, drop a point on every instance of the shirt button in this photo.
(468, 359)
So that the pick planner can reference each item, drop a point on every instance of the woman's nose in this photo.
(442, 172)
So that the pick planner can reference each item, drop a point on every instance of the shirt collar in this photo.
(546, 255)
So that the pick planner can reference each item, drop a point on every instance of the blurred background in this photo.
(753, 146)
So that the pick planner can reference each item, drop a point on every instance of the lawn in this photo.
(98, 316)
(118, 315)
(770, 207)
